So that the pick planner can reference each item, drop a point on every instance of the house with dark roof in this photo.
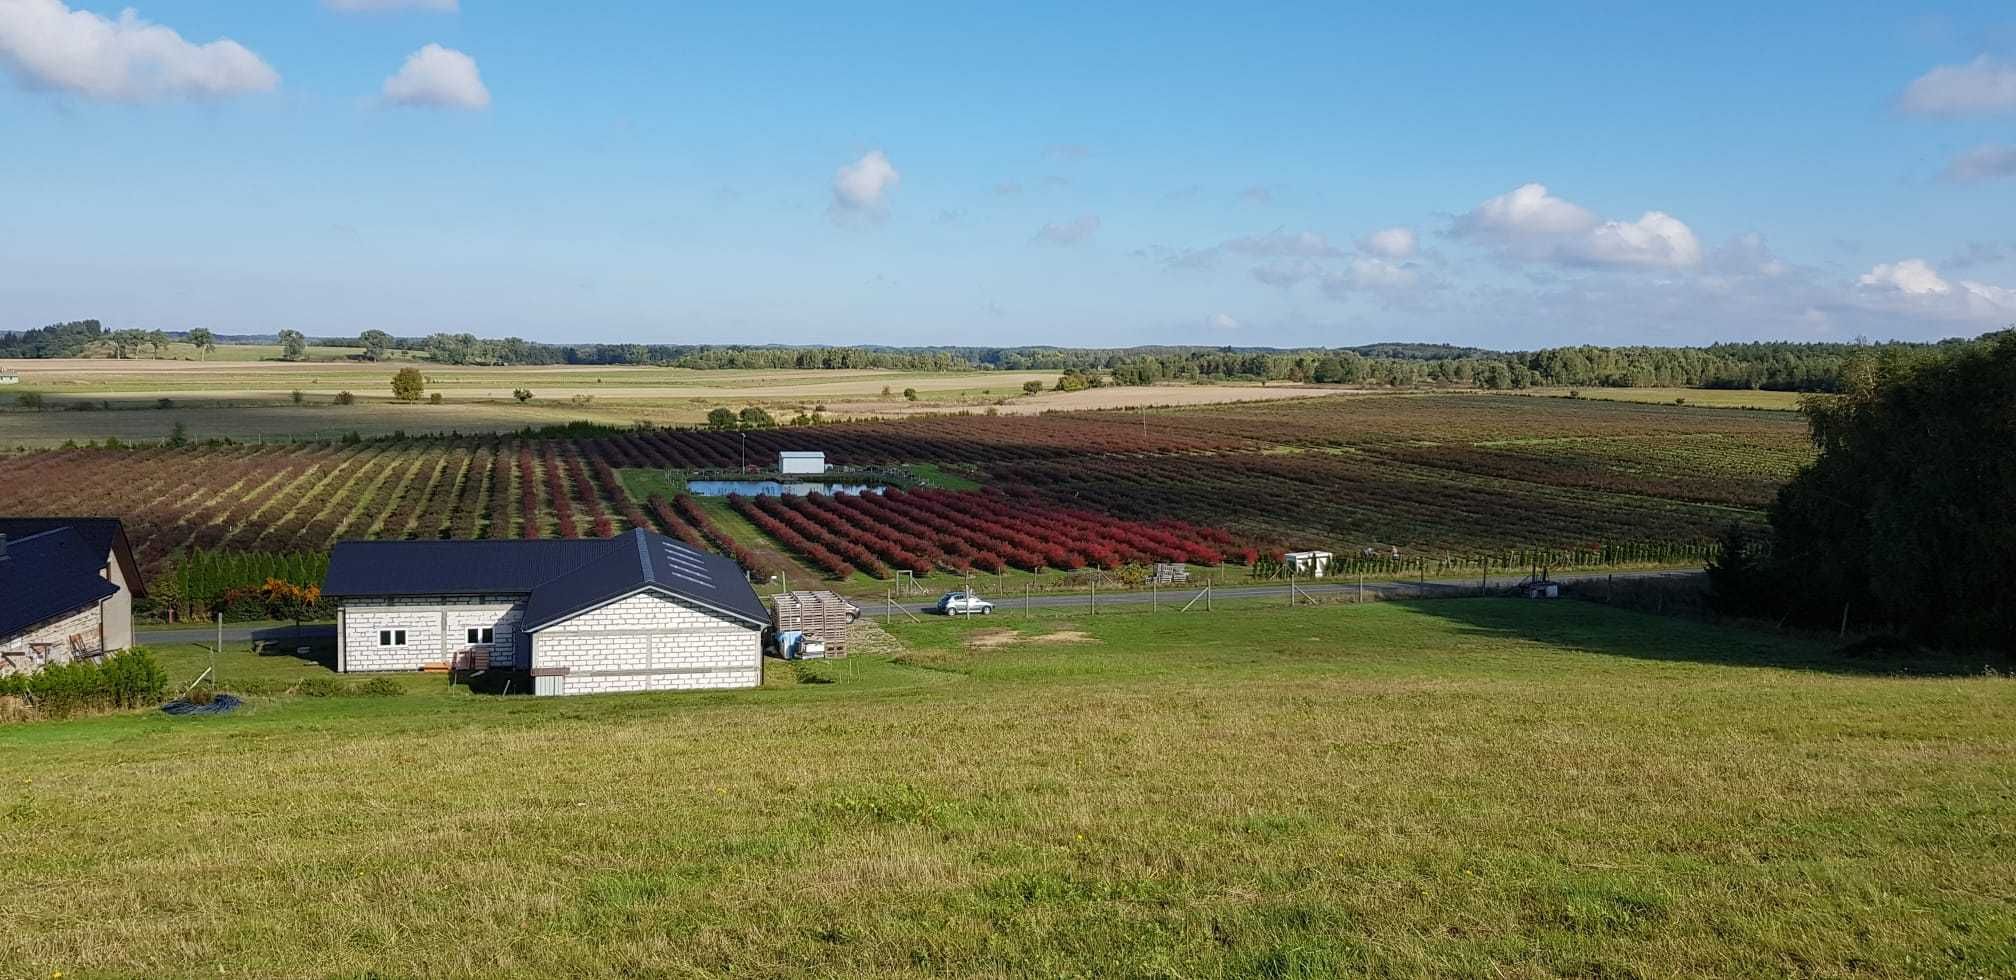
(636, 612)
(66, 589)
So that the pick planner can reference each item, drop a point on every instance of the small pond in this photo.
(772, 488)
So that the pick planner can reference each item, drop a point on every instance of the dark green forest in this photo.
(1906, 521)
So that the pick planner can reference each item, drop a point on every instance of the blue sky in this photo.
(1518, 176)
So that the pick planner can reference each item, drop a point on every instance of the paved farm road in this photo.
(1173, 597)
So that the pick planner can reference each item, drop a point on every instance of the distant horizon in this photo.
(1456, 350)
(1190, 174)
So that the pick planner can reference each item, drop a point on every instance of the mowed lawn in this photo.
(1452, 788)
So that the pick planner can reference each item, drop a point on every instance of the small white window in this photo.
(481, 637)
(391, 638)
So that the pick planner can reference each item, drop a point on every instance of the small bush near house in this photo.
(345, 398)
(381, 687)
(130, 679)
(29, 399)
(322, 687)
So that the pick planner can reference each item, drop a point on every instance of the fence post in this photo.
(1095, 594)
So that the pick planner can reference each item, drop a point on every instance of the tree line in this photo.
(1906, 521)
(1776, 366)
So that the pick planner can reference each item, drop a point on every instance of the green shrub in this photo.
(322, 686)
(133, 679)
(381, 687)
(129, 679)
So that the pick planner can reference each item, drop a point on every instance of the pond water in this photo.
(773, 488)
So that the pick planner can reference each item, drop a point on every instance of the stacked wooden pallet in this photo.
(820, 615)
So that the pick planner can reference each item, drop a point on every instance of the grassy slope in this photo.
(1462, 787)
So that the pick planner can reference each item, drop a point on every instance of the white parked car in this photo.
(964, 604)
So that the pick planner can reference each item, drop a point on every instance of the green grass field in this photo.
(1455, 788)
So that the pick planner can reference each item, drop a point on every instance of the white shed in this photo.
(801, 462)
(1313, 564)
(639, 612)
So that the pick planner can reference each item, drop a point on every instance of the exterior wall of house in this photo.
(648, 642)
(57, 633)
(437, 630)
(117, 612)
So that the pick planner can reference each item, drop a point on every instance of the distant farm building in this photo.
(66, 590)
(636, 612)
(801, 462)
(1313, 564)
(9, 378)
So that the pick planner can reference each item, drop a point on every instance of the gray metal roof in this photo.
(559, 578)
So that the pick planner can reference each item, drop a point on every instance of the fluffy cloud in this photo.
(1390, 243)
(48, 45)
(1983, 163)
(1224, 321)
(1079, 229)
(1914, 286)
(862, 187)
(1913, 277)
(438, 78)
(373, 6)
(1529, 222)
(1527, 211)
(1984, 85)
(1655, 239)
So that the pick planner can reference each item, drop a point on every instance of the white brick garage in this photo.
(639, 612)
(646, 642)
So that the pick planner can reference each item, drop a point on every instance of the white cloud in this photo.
(1984, 85)
(1655, 239)
(1914, 286)
(1526, 211)
(1224, 321)
(863, 187)
(1983, 163)
(438, 78)
(1072, 232)
(1390, 243)
(48, 45)
(375, 6)
(1914, 277)
(1529, 222)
